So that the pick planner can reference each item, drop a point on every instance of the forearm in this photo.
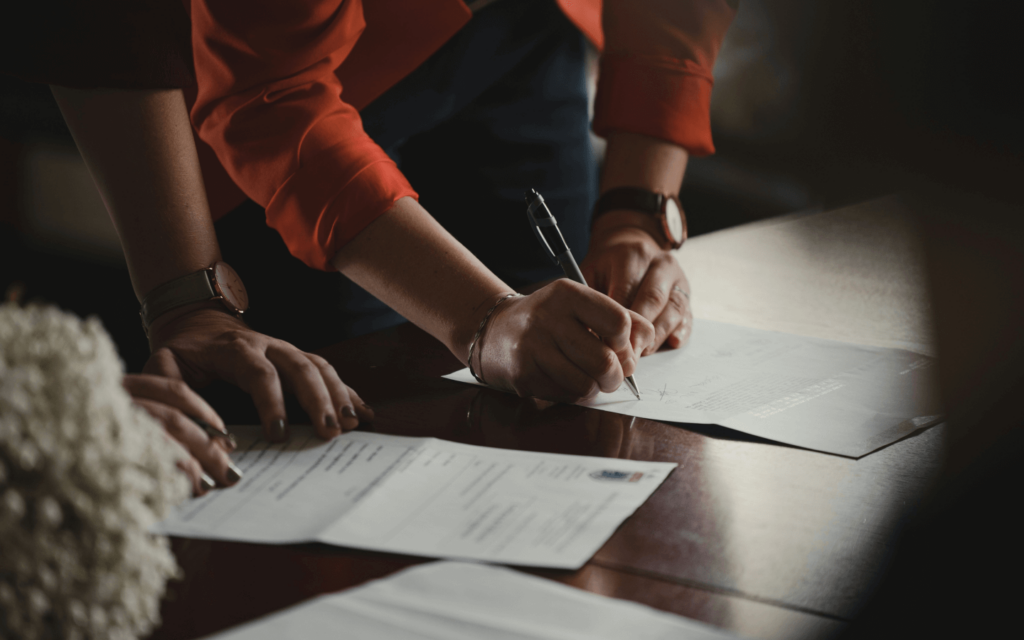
(409, 261)
(634, 160)
(139, 148)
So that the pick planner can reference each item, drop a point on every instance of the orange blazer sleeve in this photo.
(270, 106)
(655, 76)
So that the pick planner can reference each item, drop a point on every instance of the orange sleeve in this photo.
(655, 76)
(270, 106)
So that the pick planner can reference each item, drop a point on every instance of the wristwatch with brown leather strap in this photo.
(664, 207)
(217, 282)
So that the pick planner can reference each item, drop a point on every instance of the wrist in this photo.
(462, 336)
(169, 321)
(218, 282)
(635, 160)
(613, 223)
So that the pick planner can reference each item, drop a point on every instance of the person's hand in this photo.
(178, 408)
(628, 264)
(547, 345)
(204, 344)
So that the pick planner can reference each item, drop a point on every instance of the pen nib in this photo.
(632, 387)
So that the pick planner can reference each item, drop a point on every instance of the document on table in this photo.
(421, 496)
(818, 394)
(464, 601)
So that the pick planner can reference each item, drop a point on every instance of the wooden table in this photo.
(766, 540)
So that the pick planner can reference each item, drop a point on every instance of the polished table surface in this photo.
(766, 540)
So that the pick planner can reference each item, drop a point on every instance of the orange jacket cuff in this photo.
(658, 97)
(315, 218)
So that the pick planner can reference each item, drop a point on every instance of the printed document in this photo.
(818, 394)
(463, 601)
(421, 496)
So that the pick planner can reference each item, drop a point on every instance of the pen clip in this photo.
(535, 224)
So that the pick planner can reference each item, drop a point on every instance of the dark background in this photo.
(817, 105)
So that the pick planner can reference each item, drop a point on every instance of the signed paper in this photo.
(818, 394)
(462, 601)
(421, 496)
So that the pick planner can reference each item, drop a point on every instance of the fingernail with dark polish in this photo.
(331, 422)
(278, 430)
(348, 412)
(367, 407)
(234, 474)
(206, 482)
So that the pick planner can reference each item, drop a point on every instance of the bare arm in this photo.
(540, 345)
(626, 259)
(653, 106)
(416, 267)
(141, 155)
(139, 149)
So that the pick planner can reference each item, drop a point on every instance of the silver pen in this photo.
(540, 219)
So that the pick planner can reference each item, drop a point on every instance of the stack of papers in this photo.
(459, 601)
(421, 496)
(818, 394)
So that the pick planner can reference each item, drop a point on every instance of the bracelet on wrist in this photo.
(480, 332)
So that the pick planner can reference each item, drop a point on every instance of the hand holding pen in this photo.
(546, 344)
(546, 229)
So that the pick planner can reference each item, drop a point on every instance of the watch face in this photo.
(229, 285)
(675, 223)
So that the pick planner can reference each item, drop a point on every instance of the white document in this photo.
(421, 496)
(462, 601)
(813, 393)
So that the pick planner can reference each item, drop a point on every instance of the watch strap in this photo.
(632, 198)
(195, 287)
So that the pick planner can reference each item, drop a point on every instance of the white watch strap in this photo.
(195, 287)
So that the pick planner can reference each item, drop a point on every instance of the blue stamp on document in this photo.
(620, 476)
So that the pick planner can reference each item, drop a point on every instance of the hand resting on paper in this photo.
(546, 344)
(626, 262)
(200, 345)
(174, 405)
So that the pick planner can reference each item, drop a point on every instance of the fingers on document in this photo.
(346, 400)
(212, 465)
(177, 394)
(303, 378)
(333, 407)
(670, 322)
(258, 377)
(201, 483)
(660, 298)
(681, 335)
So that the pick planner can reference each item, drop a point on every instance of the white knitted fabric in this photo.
(84, 473)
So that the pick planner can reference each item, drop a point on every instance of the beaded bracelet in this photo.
(480, 331)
